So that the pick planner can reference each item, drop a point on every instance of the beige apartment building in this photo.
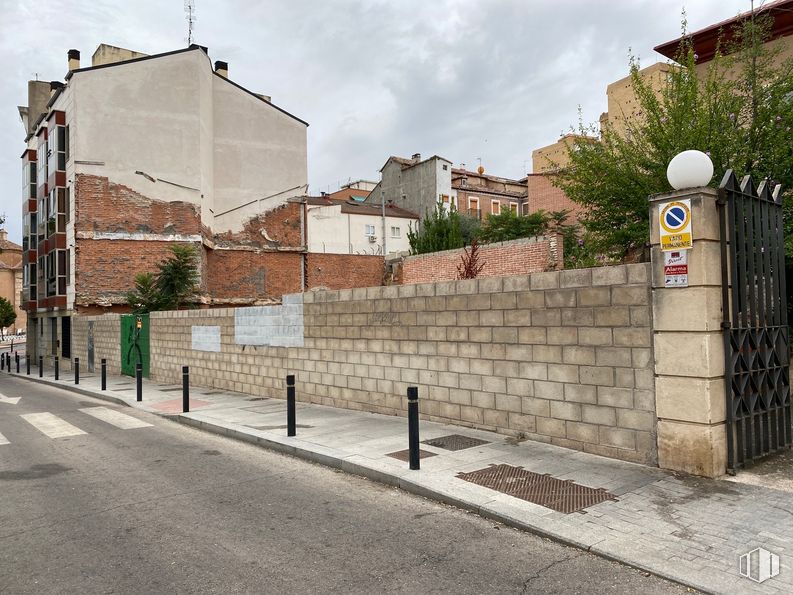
(11, 279)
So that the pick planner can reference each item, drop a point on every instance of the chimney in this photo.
(3, 235)
(222, 68)
(462, 166)
(416, 157)
(55, 86)
(74, 59)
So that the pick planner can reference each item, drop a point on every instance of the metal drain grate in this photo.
(455, 442)
(557, 494)
(404, 455)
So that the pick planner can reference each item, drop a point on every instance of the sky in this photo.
(463, 79)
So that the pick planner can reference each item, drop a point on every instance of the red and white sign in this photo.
(676, 269)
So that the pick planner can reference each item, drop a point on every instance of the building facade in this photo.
(135, 153)
(11, 271)
(478, 194)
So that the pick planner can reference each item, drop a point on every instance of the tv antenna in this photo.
(189, 9)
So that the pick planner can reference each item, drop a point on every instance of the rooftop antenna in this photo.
(189, 9)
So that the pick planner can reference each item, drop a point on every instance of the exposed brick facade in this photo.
(102, 206)
(343, 271)
(518, 257)
(247, 276)
(543, 195)
(282, 225)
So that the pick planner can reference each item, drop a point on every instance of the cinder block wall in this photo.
(501, 259)
(107, 341)
(563, 357)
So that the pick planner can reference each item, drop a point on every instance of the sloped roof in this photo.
(356, 208)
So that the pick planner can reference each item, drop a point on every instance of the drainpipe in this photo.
(382, 203)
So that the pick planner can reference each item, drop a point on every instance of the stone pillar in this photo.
(688, 341)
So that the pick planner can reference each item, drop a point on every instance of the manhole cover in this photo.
(404, 455)
(455, 442)
(557, 494)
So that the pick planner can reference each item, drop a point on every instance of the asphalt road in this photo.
(168, 509)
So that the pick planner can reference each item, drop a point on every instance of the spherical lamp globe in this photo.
(689, 169)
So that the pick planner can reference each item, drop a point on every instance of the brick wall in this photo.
(103, 206)
(343, 271)
(247, 276)
(281, 225)
(543, 195)
(105, 269)
(517, 257)
(563, 357)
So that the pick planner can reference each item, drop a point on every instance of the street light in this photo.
(689, 169)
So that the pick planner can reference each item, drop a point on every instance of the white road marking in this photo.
(51, 425)
(3, 440)
(9, 400)
(116, 418)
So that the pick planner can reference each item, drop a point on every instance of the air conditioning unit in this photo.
(372, 239)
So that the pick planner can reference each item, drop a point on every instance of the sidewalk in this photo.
(686, 529)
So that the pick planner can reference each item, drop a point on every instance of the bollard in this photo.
(413, 426)
(77, 370)
(27, 363)
(57, 370)
(41, 366)
(104, 374)
(8, 362)
(2, 361)
(139, 382)
(291, 430)
(185, 389)
(16, 357)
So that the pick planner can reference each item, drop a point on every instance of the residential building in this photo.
(11, 271)
(544, 195)
(357, 190)
(134, 153)
(414, 184)
(478, 194)
(350, 227)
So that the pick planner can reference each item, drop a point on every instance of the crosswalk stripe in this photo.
(51, 425)
(116, 418)
(3, 440)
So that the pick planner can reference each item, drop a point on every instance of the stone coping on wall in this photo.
(482, 247)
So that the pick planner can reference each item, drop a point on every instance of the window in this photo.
(395, 232)
(473, 204)
(513, 206)
(495, 207)
(370, 230)
(445, 167)
(525, 208)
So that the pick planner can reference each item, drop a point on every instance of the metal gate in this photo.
(755, 322)
(134, 343)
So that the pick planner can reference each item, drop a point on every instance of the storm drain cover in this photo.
(557, 494)
(455, 442)
(404, 455)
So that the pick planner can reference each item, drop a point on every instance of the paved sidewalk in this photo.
(686, 529)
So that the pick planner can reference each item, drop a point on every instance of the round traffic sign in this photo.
(675, 216)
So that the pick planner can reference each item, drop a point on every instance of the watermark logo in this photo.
(759, 565)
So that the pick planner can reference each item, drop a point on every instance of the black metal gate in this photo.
(756, 335)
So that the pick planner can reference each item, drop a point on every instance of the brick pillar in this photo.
(689, 352)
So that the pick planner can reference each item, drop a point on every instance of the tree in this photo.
(440, 230)
(508, 225)
(470, 267)
(171, 287)
(739, 111)
(7, 314)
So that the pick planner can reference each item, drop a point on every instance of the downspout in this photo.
(303, 243)
(382, 203)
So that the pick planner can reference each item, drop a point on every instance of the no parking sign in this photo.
(674, 221)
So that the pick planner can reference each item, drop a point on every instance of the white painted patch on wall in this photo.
(275, 326)
(206, 338)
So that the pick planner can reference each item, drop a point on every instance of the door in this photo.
(134, 343)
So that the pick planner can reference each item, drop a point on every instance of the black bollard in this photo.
(27, 363)
(2, 361)
(41, 366)
(139, 382)
(57, 370)
(185, 389)
(16, 357)
(8, 362)
(413, 426)
(291, 430)
(104, 374)
(77, 370)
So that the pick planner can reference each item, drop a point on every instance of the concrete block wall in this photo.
(563, 357)
(107, 341)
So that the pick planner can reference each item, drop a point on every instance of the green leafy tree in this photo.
(145, 297)
(440, 230)
(7, 314)
(172, 287)
(177, 279)
(739, 110)
(508, 225)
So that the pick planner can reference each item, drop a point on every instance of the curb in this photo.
(353, 468)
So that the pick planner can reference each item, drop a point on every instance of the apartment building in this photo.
(134, 153)
(478, 194)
